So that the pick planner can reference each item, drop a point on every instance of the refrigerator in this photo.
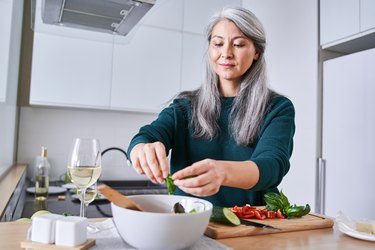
(347, 168)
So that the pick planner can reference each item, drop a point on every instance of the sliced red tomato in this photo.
(250, 212)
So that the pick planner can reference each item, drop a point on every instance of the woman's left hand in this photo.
(203, 178)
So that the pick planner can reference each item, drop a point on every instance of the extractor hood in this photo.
(114, 16)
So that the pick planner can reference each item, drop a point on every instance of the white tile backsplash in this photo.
(56, 129)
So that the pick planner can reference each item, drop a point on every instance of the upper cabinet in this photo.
(347, 26)
(338, 19)
(70, 67)
(142, 71)
(5, 28)
(147, 63)
(146, 73)
(367, 14)
(70, 72)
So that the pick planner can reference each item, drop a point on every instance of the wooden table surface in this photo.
(12, 233)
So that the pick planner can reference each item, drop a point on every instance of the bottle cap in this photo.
(44, 151)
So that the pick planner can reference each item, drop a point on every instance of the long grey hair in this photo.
(250, 104)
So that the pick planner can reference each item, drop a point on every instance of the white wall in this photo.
(292, 32)
(56, 129)
(292, 56)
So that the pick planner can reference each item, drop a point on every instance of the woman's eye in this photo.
(218, 44)
(238, 45)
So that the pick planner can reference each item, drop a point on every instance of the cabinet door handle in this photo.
(320, 186)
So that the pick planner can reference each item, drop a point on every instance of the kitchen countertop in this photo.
(66, 205)
(12, 233)
(8, 182)
(98, 208)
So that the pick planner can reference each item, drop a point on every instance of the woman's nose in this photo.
(226, 52)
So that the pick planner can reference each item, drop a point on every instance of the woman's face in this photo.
(231, 54)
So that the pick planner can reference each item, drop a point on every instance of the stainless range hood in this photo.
(114, 16)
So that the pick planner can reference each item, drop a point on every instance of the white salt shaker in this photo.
(71, 231)
(43, 228)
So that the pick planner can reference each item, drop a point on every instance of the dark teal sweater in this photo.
(271, 152)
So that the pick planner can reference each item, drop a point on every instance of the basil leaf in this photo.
(170, 185)
(275, 202)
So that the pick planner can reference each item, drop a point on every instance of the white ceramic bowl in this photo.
(158, 227)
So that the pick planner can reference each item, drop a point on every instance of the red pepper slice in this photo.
(279, 214)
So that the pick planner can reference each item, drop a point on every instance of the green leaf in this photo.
(273, 201)
(284, 200)
(280, 202)
(297, 211)
(170, 185)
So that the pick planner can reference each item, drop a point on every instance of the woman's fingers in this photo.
(199, 179)
(137, 166)
(197, 168)
(162, 160)
(150, 159)
(153, 163)
(201, 185)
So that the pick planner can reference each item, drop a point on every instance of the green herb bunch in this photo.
(280, 202)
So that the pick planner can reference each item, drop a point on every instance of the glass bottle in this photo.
(42, 170)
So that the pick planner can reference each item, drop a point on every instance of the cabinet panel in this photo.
(146, 72)
(348, 133)
(367, 14)
(197, 13)
(5, 24)
(165, 14)
(338, 19)
(192, 61)
(70, 72)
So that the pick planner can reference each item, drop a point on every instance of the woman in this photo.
(231, 139)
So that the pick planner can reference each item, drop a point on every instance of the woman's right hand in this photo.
(150, 159)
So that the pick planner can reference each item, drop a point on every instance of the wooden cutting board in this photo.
(28, 244)
(307, 222)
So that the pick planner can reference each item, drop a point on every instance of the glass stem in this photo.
(82, 208)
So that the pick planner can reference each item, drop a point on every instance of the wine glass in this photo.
(84, 166)
(90, 196)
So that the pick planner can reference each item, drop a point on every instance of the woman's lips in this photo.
(226, 65)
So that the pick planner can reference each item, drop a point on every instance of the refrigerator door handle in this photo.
(320, 186)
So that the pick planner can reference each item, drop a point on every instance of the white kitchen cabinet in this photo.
(165, 14)
(192, 61)
(338, 19)
(5, 28)
(70, 67)
(347, 26)
(146, 72)
(197, 13)
(70, 72)
(10, 40)
(367, 14)
(349, 135)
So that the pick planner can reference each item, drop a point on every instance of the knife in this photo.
(257, 224)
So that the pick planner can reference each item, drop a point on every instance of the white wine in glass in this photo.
(84, 166)
(91, 194)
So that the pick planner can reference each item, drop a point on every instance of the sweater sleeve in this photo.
(275, 144)
(161, 129)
